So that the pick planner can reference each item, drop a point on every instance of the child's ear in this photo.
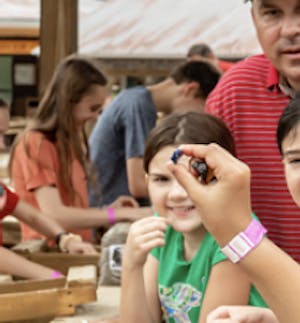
(191, 89)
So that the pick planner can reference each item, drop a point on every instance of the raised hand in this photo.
(143, 236)
(224, 203)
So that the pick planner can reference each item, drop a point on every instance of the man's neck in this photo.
(160, 93)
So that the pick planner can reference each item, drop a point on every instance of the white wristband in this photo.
(245, 241)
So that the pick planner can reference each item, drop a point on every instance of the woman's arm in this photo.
(225, 210)
(143, 236)
(13, 264)
(49, 227)
(228, 285)
(79, 218)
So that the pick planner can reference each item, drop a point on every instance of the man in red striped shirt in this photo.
(250, 99)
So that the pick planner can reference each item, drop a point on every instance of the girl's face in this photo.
(90, 105)
(291, 161)
(168, 197)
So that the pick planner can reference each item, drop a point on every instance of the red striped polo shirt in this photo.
(248, 99)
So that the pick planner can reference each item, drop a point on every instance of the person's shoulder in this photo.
(37, 143)
(252, 70)
(136, 93)
(132, 91)
(127, 97)
(253, 65)
(36, 138)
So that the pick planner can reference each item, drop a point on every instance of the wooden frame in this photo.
(31, 300)
(35, 251)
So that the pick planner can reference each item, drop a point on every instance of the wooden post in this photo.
(58, 35)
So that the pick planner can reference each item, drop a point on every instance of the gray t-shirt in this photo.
(119, 134)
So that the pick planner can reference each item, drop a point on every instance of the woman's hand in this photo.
(224, 203)
(124, 201)
(75, 246)
(143, 236)
(241, 314)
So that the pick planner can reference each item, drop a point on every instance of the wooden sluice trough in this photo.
(33, 300)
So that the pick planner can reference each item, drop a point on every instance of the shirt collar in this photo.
(277, 82)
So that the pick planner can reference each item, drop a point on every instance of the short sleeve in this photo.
(38, 167)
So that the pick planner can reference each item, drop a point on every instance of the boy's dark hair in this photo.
(202, 50)
(289, 120)
(187, 128)
(201, 71)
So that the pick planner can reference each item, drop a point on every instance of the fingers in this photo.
(236, 314)
(139, 213)
(188, 181)
(128, 201)
(222, 312)
(228, 170)
(224, 321)
(145, 211)
(219, 160)
(143, 236)
(82, 247)
(125, 201)
(149, 224)
(89, 249)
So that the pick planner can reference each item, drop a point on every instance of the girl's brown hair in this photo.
(187, 128)
(72, 79)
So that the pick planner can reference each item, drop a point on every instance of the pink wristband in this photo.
(56, 274)
(245, 241)
(111, 215)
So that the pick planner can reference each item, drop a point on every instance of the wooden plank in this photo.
(82, 275)
(44, 303)
(31, 246)
(32, 300)
(62, 261)
(31, 285)
(107, 305)
(34, 304)
(4, 279)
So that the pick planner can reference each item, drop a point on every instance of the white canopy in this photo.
(151, 28)
(167, 28)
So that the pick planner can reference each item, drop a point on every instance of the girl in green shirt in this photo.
(172, 267)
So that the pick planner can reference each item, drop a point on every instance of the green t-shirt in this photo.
(182, 283)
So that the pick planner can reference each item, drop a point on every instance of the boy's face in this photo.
(277, 24)
(291, 161)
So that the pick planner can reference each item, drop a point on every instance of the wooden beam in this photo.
(61, 261)
(82, 275)
(30, 246)
(17, 46)
(32, 285)
(28, 300)
(44, 303)
(58, 35)
(20, 32)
